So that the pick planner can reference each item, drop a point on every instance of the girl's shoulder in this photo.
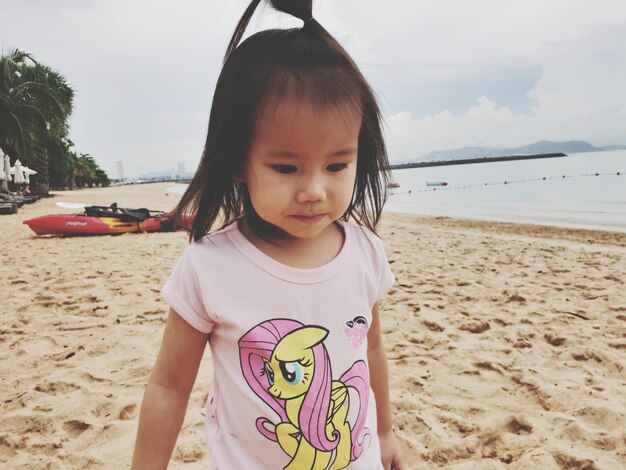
(213, 242)
(371, 256)
(363, 236)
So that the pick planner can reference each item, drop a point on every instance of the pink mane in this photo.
(357, 377)
(316, 403)
(254, 346)
(259, 343)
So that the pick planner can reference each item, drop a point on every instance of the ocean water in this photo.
(581, 190)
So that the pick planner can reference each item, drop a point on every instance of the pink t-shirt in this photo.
(291, 383)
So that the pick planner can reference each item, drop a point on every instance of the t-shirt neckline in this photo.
(282, 271)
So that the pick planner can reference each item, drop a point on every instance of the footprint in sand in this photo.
(43, 298)
(128, 412)
(189, 453)
(75, 428)
(568, 461)
(433, 326)
(22, 424)
(554, 339)
(475, 327)
(103, 410)
(599, 416)
(55, 388)
(519, 426)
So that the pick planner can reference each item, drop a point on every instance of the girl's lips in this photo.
(309, 218)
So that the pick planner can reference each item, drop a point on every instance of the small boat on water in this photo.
(393, 185)
(103, 220)
(436, 183)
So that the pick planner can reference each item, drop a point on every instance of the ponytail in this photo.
(301, 9)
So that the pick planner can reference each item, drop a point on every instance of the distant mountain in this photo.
(614, 147)
(545, 146)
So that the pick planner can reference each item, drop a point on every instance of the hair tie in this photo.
(306, 21)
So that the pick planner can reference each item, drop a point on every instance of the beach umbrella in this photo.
(27, 172)
(18, 177)
(7, 174)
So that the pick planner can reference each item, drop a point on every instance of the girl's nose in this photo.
(311, 189)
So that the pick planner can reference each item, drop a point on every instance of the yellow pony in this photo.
(295, 379)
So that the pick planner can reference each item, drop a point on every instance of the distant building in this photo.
(180, 170)
(120, 171)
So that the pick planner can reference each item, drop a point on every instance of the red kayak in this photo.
(102, 220)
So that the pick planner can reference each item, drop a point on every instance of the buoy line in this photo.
(502, 183)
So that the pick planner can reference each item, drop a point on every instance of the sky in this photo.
(448, 73)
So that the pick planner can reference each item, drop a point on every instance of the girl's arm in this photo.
(165, 400)
(377, 359)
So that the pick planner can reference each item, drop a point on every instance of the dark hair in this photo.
(303, 63)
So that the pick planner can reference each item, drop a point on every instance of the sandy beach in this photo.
(506, 343)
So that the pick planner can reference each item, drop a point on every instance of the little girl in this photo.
(286, 291)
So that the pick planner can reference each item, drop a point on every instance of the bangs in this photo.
(323, 88)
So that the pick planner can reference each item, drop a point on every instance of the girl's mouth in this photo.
(310, 218)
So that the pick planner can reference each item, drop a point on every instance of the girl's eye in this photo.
(284, 168)
(335, 167)
(292, 372)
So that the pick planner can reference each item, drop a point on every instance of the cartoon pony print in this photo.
(286, 364)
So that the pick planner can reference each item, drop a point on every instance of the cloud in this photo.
(579, 95)
(481, 125)
(488, 125)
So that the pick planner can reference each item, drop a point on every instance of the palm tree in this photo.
(17, 115)
(53, 144)
(59, 153)
(101, 177)
(35, 104)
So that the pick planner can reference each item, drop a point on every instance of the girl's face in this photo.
(301, 166)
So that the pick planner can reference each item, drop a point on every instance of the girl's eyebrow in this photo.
(344, 152)
(281, 153)
(291, 154)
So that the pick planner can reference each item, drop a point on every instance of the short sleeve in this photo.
(380, 266)
(386, 277)
(182, 292)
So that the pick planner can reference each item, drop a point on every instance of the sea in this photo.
(581, 190)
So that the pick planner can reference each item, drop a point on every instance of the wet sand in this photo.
(506, 343)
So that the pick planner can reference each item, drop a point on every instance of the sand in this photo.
(506, 343)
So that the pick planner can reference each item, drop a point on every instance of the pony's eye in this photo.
(336, 167)
(270, 374)
(292, 372)
(284, 168)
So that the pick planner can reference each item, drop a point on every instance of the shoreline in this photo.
(611, 236)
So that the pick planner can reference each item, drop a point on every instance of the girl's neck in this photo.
(302, 253)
